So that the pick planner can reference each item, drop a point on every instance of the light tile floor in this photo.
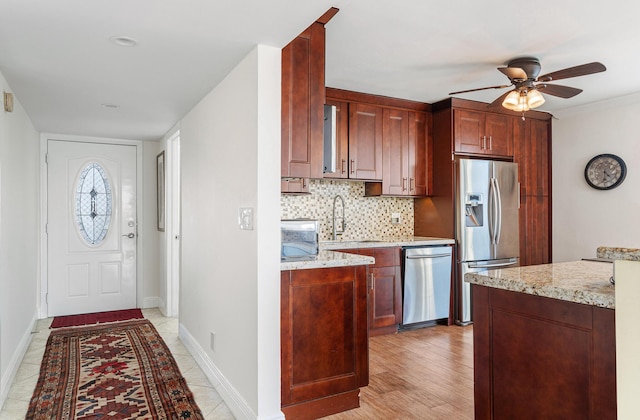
(209, 401)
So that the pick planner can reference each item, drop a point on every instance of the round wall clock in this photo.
(605, 172)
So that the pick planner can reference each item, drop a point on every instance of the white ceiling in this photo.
(59, 62)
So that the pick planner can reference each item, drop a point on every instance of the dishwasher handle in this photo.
(419, 257)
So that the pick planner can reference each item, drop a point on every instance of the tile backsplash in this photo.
(366, 217)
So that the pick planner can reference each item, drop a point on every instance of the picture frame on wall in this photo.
(160, 177)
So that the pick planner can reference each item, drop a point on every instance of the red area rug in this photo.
(115, 371)
(96, 318)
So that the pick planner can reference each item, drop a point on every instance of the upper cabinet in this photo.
(365, 141)
(303, 98)
(383, 140)
(404, 153)
(477, 132)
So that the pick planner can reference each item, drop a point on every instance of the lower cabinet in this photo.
(324, 341)
(542, 358)
(385, 290)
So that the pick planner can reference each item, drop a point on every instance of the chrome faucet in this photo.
(343, 223)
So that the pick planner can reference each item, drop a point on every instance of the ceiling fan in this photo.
(523, 75)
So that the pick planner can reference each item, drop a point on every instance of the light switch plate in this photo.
(245, 218)
(395, 218)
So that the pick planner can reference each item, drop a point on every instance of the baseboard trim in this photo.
(238, 406)
(16, 360)
(150, 302)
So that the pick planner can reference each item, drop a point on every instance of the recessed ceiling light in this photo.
(124, 41)
(110, 106)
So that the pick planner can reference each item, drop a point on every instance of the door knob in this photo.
(130, 235)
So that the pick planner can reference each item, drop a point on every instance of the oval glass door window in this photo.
(93, 204)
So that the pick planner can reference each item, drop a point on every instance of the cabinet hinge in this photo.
(46, 298)
(46, 158)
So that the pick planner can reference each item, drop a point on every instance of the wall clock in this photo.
(605, 171)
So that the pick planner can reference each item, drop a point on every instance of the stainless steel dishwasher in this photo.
(426, 280)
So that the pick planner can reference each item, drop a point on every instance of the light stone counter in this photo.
(617, 253)
(584, 282)
(327, 259)
(386, 242)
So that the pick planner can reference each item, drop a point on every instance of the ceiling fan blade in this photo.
(484, 88)
(558, 90)
(514, 73)
(576, 71)
(499, 100)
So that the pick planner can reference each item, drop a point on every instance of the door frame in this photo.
(173, 228)
(43, 285)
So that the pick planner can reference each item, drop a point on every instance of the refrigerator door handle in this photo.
(502, 264)
(498, 212)
(494, 211)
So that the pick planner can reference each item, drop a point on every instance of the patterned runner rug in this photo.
(114, 371)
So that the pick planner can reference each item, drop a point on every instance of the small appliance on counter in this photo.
(299, 239)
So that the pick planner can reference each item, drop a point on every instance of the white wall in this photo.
(230, 281)
(585, 218)
(19, 241)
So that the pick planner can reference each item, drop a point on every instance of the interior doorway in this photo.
(174, 225)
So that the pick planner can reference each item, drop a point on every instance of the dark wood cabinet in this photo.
(485, 133)
(303, 97)
(324, 341)
(532, 153)
(342, 140)
(395, 152)
(294, 186)
(365, 141)
(302, 102)
(404, 157)
(385, 288)
(537, 357)
(381, 139)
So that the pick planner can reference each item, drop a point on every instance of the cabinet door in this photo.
(395, 152)
(417, 153)
(498, 137)
(482, 133)
(342, 140)
(534, 157)
(365, 141)
(302, 113)
(294, 186)
(324, 341)
(535, 231)
(468, 131)
(386, 297)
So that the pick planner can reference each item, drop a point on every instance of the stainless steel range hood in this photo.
(329, 138)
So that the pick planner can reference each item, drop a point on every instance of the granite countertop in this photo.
(617, 253)
(585, 282)
(385, 242)
(329, 258)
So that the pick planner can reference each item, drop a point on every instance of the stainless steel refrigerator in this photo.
(486, 223)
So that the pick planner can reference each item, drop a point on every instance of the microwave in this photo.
(299, 239)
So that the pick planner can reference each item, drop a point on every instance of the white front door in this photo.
(91, 227)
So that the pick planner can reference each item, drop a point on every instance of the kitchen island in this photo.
(544, 341)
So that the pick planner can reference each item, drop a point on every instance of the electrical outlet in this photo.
(212, 344)
(395, 218)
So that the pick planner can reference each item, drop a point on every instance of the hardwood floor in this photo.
(425, 373)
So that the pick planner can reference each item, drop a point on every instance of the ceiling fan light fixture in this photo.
(516, 101)
(523, 101)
